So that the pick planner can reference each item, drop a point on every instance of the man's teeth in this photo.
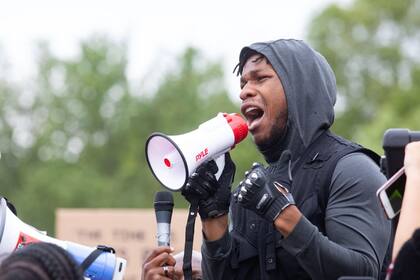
(250, 109)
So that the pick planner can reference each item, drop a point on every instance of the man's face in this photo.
(263, 101)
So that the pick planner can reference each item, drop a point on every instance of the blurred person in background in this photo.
(40, 261)
(406, 251)
(195, 264)
(161, 264)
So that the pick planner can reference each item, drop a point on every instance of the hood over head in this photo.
(310, 88)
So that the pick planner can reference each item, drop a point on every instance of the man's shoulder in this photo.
(331, 144)
(358, 160)
(355, 179)
(357, 170)
(333, 150)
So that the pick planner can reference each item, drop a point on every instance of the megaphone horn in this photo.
(172, 159)
(15, 234)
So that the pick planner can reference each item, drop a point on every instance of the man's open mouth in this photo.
(253, 115)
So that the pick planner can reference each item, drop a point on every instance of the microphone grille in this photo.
(164, 201)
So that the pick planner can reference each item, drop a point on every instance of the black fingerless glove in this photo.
(258, 192)
(213, 195)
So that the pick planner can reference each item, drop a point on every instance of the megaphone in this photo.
(15, 234)
(173, 159)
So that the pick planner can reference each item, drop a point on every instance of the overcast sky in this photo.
(152, 28)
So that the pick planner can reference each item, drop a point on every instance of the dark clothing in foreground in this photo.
(350, 244)
(348, 234)
(407, 263)
(40, 261)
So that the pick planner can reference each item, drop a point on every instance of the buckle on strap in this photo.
(105, 248)
(90, 259)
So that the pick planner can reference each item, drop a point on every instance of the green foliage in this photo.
(9, 163)
(373, 47)
(77, 139)
(88, 131)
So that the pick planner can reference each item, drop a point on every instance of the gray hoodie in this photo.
(310, 104)
(357, 230)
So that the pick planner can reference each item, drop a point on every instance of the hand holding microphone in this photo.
(160, 263)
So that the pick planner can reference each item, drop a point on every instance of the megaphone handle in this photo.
(220, 162)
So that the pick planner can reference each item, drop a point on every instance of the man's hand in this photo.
(263, 195)
(160, 264)
(213, 195)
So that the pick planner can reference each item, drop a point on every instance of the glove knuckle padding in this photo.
(261, 194)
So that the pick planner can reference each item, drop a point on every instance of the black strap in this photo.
(94, 255)
(189, 239)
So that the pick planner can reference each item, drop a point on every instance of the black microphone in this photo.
(164, 203)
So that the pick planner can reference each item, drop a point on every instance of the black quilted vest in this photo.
(257, 251)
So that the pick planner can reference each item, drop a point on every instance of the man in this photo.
(312, 213)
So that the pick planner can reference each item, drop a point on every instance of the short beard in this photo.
(271, 148)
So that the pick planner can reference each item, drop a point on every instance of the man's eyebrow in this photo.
(252, 74)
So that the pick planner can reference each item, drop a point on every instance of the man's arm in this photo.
(213, 196)
(216, 257)
(357, 230)
(409, 218)
(214, 229)
(216, 247)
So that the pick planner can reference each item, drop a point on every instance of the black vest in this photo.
(257, 251)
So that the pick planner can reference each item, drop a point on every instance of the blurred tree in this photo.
(373, 47)
(72, 117)
(9, 136)
(88, 131)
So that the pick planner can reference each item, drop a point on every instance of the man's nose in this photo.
(247, 92)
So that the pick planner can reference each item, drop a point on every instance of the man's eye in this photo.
(262, 78)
